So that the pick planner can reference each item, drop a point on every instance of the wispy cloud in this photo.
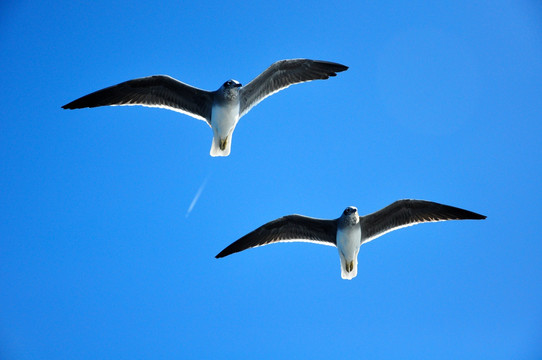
(196, 197)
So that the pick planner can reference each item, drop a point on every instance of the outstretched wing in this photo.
(286, 229)
(282, 74)
(409, 212)
(153, 91)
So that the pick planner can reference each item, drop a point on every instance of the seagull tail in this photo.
(221, 147)
(349, 269)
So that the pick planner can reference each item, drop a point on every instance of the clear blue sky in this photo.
(100, 259)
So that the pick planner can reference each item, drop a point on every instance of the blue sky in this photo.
(100, 258)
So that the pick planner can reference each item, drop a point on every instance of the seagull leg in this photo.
(223, 143)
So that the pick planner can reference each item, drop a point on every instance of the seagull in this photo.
(350, 230)
(221, 109)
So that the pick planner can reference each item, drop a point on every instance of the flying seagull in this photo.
(221, 109)
(350, 230)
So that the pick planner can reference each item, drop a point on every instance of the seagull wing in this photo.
(287, 229)
(282, 74)
(404, 213)
(153, 91)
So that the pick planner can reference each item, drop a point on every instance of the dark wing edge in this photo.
(286, 229)
(153, 91)
(407, 212)
(282, 74)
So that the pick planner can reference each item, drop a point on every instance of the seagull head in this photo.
(230, 84)
(349, 217)
(350, 210)
(229, 91)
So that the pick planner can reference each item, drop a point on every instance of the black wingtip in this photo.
(228, 250)
(78, 104)
(463, 214)
(470, 215)
(71, 105)
(339, 67)
(331, 67)
(336, 67)
(342, 68)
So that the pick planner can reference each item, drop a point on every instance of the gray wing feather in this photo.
(286, 229)
(282, 74)
(409, 212)
(153, 91)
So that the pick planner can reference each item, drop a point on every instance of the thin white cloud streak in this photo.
(196, 197)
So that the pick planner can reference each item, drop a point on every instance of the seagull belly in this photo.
(348, 244)
(223, 121)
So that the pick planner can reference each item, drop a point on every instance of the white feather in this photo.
(348, 244)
